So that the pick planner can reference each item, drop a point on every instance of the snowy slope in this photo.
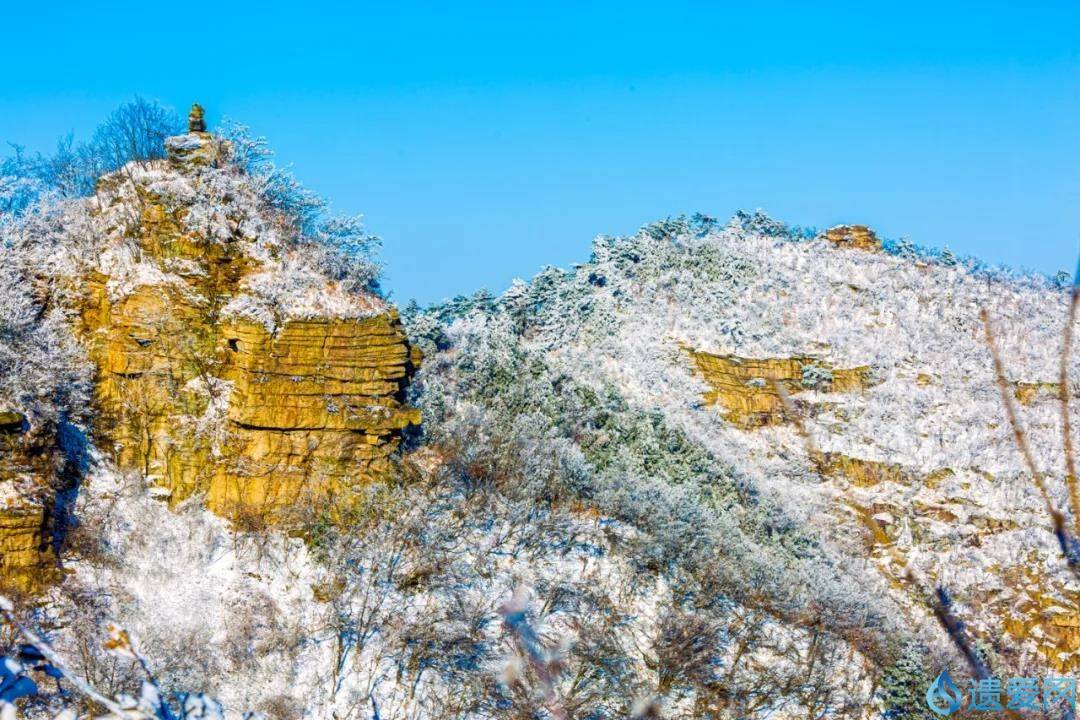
(751, 290)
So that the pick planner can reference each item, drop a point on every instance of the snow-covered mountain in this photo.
(909, 481)
(719, 470)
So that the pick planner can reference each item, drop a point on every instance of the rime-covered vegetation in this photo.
(591, 365)
(573, 531)
(65, 215)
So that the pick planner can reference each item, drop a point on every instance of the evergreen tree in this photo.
(904, 685)
(905, 248)
(515, 301)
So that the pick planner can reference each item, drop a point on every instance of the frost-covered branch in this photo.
(1064, 393)
(150, 703)
(8, 611)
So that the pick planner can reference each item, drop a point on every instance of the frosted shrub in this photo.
(337, 247)
(345, 253)
(904, 685)
(240, 148)
(759, 223)
(46, 373)
(19, 186)
(251, 155)
(815, 377)
(134, 132)
(425, 330)
(905, 248)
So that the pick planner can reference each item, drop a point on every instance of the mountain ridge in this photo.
(689, 477)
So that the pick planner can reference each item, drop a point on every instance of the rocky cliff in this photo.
(745, 388)
(27, 466)
(255, 415)
(239, 354)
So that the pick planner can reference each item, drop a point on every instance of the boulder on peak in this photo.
(197, 148)
(856, 237)
(196, 119)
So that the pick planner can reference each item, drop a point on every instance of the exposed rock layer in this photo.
(856, 237)
(1028, 393)
(862, 473)
(27, 561)
(744, 387)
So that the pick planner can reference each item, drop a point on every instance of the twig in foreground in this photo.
(8, 611)
(1020, 438)
(1063, 395)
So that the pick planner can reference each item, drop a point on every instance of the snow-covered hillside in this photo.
(719, 470)
(922, 471)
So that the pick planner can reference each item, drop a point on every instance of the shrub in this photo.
(134, 132)
(904, 684)
(815, 377)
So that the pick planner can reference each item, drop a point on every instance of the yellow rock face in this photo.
(1042, 611)
(196, 149)
(260, 423)
(27, 562)
(856, 237)
(1027, 393)
(744, 388)
(860, 472)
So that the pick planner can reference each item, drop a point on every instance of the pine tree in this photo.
(904, 685)
(516, 303)
(905, 248)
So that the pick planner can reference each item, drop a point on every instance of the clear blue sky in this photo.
(483, 142)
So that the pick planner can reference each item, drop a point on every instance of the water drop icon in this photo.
(943, 697)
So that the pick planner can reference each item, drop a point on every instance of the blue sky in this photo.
(483, 141)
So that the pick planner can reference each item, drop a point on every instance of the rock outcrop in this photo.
(744, 387)
(27, 467)
(861, 472)
(856, 237)
(197, 119)
(1028, 393)
(261, 421)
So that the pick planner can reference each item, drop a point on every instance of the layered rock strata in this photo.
(27, 470)
(745, 388)
(259, 420)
